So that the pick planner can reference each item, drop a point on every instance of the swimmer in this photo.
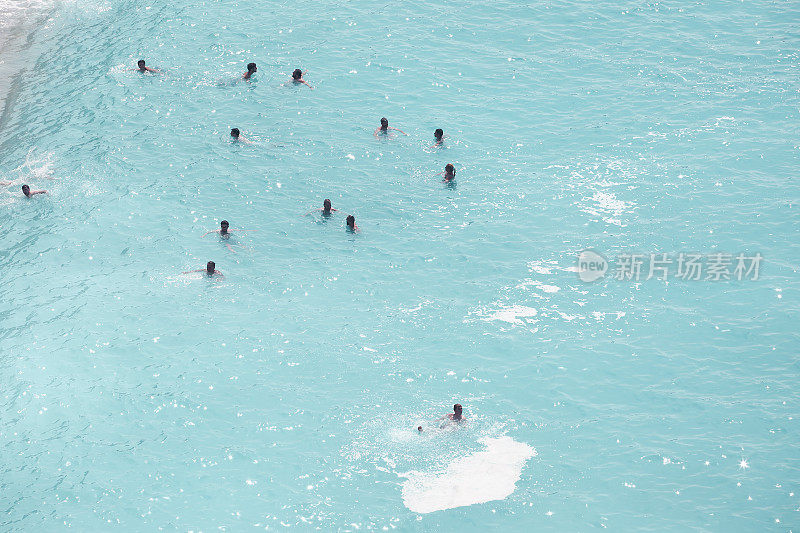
(144, 68)
(225, 233)
(439, 136)
(449, 172)
(419, 428)
(236, 135)
(456, 415)
(351, 223)
(210, 269)
(29, 193)
(327, 210)
(297, 77)
(251, 69)
(384, 129)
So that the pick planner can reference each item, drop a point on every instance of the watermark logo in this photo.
(718, 266)
(591, 266)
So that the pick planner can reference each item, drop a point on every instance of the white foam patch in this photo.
(519, 314)
(478, 478)
(549, 288)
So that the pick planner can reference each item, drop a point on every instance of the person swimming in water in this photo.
(144, 68)
(439, 138)
(327, 210)
(224, 232)
(351, 223)
(456, 415)
(297, 78)
(449, 172)
(210, 269)
(384, 129)
(237, 136)
(251, 69)
(26, 190)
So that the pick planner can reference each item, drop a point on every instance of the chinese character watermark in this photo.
(686, 266)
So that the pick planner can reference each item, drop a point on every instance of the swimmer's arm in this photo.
(212, 231)
(401, 131)
(229, 248)
(4, 183)
(376, 132)
(153, 70)
(192, 271)
(306, 83)
(41, 191)
(232, 230)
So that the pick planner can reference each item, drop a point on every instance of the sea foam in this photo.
(481, 477)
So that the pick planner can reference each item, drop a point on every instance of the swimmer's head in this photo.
(457, 409)
(224, 226)
(235, 133)
(351, 221)
(26, 190)
(326, 205)
(140, 64)
(251, 67)
(438, 134)
(211, 266)
(419, 428)
(384, 123)
(450, 169)
(297, 74)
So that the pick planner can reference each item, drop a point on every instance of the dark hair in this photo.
(351, 220)
(140, 62)
(26, 189)
(384, 122)
(438, 134)
(235, 133)
(297, 74)
(457, 407)
(224, 223)
(326, 203)
(210, 267)
(450, 168)
(251, 67)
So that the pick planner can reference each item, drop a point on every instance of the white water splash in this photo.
(518, 314)
(478, 478)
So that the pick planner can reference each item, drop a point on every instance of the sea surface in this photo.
(287, 394)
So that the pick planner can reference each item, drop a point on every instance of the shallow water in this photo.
(288, 393)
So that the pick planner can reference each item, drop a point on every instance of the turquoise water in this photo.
(287, 394)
